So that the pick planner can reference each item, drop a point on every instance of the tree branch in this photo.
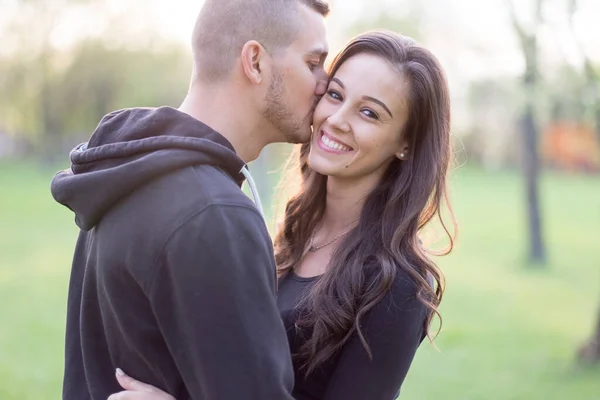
(539, 17)
(589, 69)
(515, 22)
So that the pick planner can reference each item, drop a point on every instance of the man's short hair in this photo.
(224, 26)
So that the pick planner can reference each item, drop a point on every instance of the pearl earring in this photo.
(401, 155)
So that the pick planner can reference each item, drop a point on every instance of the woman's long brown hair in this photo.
(385, 242)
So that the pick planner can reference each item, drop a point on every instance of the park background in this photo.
(522, 307)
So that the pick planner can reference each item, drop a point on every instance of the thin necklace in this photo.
(311, 246)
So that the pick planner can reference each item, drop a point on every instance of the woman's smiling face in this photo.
(359, 121)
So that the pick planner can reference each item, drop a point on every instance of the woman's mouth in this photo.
(331, 145)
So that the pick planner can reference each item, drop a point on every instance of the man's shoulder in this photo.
(189, 190)
(181, 199)
(215, 186)
(211, 201)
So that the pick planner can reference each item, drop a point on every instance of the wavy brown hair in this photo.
(386, 240)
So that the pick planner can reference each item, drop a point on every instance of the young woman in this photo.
(357, 292)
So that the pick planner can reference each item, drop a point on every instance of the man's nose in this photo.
(322, 80)
(321, 88)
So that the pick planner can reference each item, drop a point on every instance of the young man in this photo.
(173, 275)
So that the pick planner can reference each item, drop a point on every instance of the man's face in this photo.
(298, 79)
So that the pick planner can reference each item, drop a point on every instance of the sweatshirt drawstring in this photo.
(254, 191)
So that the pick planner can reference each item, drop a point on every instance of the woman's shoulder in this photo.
(405, 288)
(401, 309)
(403, 292)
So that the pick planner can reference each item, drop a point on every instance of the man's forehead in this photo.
(313, 34)
(310, 45)
(314, 42)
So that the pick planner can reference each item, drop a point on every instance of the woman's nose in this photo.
(339, 121)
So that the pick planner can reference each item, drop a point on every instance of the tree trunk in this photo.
(529, 130)
(593, 80)
(537, 253)
(531, 163)
(589, 353)
(597, 120)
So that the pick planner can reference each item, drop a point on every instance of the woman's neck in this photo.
(343, 204)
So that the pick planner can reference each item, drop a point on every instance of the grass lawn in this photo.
(510, 330)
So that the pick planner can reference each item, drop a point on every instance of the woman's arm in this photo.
(136, 390)
(393, 329)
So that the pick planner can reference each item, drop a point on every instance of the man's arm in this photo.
(214, 299)
(74, 380)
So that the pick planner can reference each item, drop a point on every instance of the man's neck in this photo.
(226, 114)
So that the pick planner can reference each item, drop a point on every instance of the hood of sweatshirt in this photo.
(129, 149)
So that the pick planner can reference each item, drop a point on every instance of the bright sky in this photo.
(476, 27)
(472, 38)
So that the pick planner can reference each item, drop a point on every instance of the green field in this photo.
(510, 330)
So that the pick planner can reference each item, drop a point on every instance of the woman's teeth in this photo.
(334, 145)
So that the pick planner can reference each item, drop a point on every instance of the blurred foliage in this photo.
(82, 86)
(54, 98)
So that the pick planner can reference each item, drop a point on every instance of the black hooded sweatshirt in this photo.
(173, 278)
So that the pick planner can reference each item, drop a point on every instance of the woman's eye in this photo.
(313, 67)
(334, 95)
(370, 113)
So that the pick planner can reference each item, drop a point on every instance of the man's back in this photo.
(173, 281)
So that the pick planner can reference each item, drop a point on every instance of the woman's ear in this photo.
(403, 153)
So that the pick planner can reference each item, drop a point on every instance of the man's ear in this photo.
(254, 59)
